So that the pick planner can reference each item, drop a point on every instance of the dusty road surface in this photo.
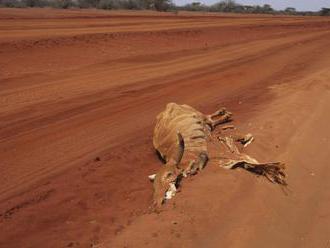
(79, 92)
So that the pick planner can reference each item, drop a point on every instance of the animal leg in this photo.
(245, 140)
(223, 119)
(219, 112)
(196, 165)
(222, 115)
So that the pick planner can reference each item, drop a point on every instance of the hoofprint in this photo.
(181, 138)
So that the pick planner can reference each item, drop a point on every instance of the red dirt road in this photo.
(79, 92)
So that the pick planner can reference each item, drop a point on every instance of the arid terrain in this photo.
(79, 93)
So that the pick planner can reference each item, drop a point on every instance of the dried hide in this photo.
(230, 157)
(190, 124)
(181, 138)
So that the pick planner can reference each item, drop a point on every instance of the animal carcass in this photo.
(181, 138)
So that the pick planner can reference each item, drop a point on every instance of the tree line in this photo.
(161, 5)
(233, 7)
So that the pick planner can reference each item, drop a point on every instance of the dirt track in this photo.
(79, 92)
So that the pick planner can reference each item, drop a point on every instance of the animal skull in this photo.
(167, 178)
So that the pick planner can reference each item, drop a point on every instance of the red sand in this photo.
(78, 86)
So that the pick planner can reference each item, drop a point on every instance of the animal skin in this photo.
(181, 138)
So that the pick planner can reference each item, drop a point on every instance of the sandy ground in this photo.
(79, 92)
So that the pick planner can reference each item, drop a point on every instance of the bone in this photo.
(225, 127)
(249, 142)
(171, 192)
(152, 177)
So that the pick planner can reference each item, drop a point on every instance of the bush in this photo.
(131, 4)
(23, 3)
(11, 3)
(325, 12)
(224, 6)
(34, 3)
(88, 3)
(195, 6)
(124, 4)
(109, 4)
(62, 4)
(162, 5)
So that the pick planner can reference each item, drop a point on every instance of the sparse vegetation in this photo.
(325, 12)
(290, 10)
(160, 5)
(233, 7)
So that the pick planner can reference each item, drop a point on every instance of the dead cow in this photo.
(181, 139)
